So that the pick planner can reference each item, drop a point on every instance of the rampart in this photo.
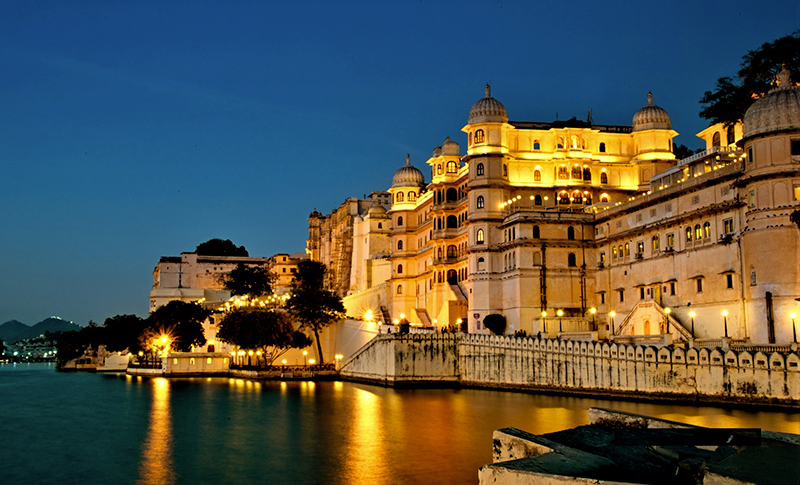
(598, 368)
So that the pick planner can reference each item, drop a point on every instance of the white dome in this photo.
(778, 110)
(651, 117)
(487, 110)
(408, 176)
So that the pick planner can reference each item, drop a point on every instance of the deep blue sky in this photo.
(132, 130)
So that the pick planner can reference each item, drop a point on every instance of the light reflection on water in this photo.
(220, 430)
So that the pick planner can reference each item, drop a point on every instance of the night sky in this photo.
(134, 130)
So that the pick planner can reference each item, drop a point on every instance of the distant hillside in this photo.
(13, 331)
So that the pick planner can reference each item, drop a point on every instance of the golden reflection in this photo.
(366, 457)
(156, 466)
(338, 386)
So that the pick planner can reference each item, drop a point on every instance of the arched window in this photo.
(604, 198)
(412, 196)
(399, 221)
(452, 222)
(537, 200)
(715, 140)
(536, 145)
(399, 245)
(577, 197)
(398, 197)
(656, 243)
(689, 234)
(602, 147)
(706, 230)
(452, 167)
(479, 136)
(587, 198)
(481, 264)
(577, 173)
(439, 253)
(563, 197)
(505, 170)
(698, 232)
(560, 143)
(603, 178)
(479, 202)
(451, 195)
(627, 249)
(537, 176)
(399, 269)
(613, 253)
(479, 236)
(731, 135)
(536, 232)
(563, 172)
(439, 168)
(571, 259)
(479, 169)
(587, 174)
(452, 252)
(399, 289)
(452, 277)
(571, 233)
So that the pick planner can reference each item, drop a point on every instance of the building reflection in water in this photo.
(156, 466)
(367, 451)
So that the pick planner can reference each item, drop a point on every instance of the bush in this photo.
(496, 323)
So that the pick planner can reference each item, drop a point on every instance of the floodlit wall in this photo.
(592, 367)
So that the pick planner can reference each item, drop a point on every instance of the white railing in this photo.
(707, 152)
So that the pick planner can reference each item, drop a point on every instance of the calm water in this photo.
(87, 428)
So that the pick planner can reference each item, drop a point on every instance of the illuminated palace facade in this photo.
(587, 231)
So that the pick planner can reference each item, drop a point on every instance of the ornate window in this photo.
(627, 249)
(398, 197)
(399, 289)
(537, 200)
(698, 232)
(399, 245)
(603, 178)
(479, 236)
(479, 202)
(452, 252)
(602, 147)
(537, 176)
(563, 172)
(479, 169)
(563, 197)
(715, 140)
(536, 145)
(613, 253)
(399, 221)
(399, 269)
(587, 174)
(452, 167)
(689, 234)
(706, 230)
(439, 168)
(412, 196)
(656, 242)
(479, 136)
(604, 198)
(577, 173)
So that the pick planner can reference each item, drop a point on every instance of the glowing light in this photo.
(724, 313)
(612, 314)
(593, 310)
(793, 315)
(544, 314)
(311, 361)
(692, 314)
(560, 313)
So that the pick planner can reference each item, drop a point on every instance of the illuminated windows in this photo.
(689, 234)
(698, 232)
(452, 167)
(479, 237)
(715, 140)
(398, 197)
(655, 242)
(706, 230)
(537, 176)
(479, 202)
(577, 173)
(727, 226)
(603, 178)
(479, 136)
(412, 196)
(563, 172)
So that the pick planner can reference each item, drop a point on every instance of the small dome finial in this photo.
(782, 78)
(649, 97)
(488, 91)
(408, 159)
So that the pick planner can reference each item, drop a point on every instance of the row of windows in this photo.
(696, 233)
(399, 197)
(716, 139)
(450, 167)
(562, 173)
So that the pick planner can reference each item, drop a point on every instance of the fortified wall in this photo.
(750, 376)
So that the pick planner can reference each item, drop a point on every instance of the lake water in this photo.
(76, 428)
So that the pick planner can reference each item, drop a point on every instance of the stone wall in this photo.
(580, 367)
(408, 359)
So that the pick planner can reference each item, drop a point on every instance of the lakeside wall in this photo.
(580, 367)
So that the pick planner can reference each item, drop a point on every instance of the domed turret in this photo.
(376, 209)
(487, 110)
(778, 110)
(449, 147)
(315, 214)
(408, 176)
(651, 117)
(437, 152)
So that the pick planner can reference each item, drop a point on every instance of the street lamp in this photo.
(667, 310)
(305, 354)
(544, 322)
(692, 314)
(725, 321)
(612, 314)
(593, 310)
(794, 328)
(560, 314)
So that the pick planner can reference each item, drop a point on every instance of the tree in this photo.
(218, 247)
(182, 322)
(122, 332)
(250, 280)
(311, 304)
(731, 97)
(271, 331)
(496, 323)
(2, 348)
(682, 151)
(70, 346)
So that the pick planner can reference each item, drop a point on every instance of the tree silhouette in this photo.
(271, 331)
(218, 247)
(311, 304)
(250, 280)
(182, 321)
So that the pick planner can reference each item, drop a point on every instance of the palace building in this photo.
(586, 231)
